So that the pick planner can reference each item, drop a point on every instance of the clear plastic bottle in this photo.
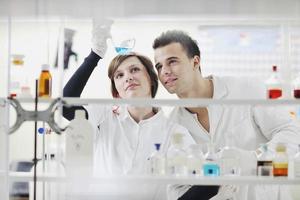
(297, 163)
(157, 162)
(274, 84)
(230, 159)
(176, 156)
(296, 86)
(79, 148)
(48, 190)
(45, 82)
(265, 162)
(211, 165)
(280, 161)
(195, 160)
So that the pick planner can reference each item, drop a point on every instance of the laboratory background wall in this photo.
(236, 38)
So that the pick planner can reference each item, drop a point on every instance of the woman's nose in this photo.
(129, 78)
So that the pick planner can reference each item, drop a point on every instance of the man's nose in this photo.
(165, 70)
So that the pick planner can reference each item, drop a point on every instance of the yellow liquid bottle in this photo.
(45, 82)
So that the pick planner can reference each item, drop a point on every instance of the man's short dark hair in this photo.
(176, 36)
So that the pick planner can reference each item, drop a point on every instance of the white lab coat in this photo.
(123, 146)
(248, 125)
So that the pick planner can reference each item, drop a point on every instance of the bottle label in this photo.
(280, 165)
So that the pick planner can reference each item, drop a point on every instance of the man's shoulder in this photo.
(243, 87)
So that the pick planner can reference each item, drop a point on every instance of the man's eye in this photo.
(172, 62)
(158, 67)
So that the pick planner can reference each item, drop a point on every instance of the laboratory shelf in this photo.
(171, 102)
(185, 180)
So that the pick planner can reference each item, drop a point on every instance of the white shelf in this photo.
(185, 180)
(170, 102)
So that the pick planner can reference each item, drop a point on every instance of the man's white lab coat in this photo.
(248, 125)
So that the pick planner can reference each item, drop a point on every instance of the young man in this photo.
(177, 60)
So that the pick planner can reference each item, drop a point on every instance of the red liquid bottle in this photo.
(274, 85)
(296, 87)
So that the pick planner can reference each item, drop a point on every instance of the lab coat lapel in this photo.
(215, 112)
(191, 123)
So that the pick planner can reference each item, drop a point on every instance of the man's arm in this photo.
(277, 125)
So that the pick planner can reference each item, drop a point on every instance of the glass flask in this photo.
(157, 162)
(265, 162)
(297, 163)
(195, 159)
(211, 162)
(274, 84)
(230, 159)
(280, 161)
(176, 156)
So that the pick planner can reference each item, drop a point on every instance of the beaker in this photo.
(122, 40)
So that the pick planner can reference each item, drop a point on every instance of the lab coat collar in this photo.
(220, 87)
(215, 113)
(124, 115)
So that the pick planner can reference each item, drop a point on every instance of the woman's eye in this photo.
(135, 69)
(118, 76)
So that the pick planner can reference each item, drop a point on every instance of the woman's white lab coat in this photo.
(248, 126)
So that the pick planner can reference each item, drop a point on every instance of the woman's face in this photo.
(132, 79)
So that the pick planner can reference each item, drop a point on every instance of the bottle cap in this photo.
(264, 147)
(157, 146)
(79, 114)
(280, 147)
(45, 67)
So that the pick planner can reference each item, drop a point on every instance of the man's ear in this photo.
(196, 63)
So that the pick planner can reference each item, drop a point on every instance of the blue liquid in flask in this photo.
(211, 169)
(122, 50)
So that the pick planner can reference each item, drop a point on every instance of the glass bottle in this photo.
(211, 162)
(45, 82)
(195, 160)
(297, 163)
(296, 87)
(157, 162)
(274, 84)
(230, 159)
(176, 156)
(265, 162)
(280, 161)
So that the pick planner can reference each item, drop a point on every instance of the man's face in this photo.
(175, 69)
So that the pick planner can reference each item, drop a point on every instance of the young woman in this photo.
(124, 136)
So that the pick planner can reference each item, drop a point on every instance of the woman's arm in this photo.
(77, 82)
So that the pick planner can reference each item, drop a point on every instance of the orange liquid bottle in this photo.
(280, 162)
(45, 82)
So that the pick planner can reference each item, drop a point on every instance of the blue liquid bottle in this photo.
(211, 166)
